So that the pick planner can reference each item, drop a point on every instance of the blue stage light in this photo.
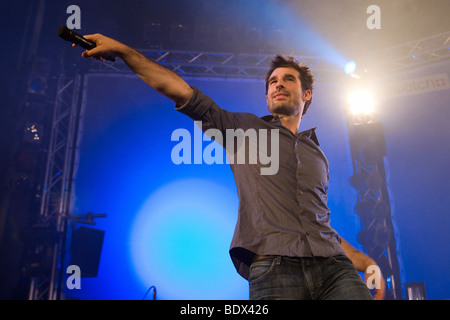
(180, 242)
(350, 67)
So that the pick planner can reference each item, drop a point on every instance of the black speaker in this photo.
(86, 248)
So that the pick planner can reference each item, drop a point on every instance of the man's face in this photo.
(284, 92)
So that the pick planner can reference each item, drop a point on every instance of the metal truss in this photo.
(372, 205)
(56, 191)
(411, 55)
(254, 66)
(221, 65)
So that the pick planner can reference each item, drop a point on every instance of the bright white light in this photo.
(361, 102)
(350, 67)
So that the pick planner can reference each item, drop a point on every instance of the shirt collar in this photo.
(310, 133)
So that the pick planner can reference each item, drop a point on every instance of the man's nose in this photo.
(279, 85)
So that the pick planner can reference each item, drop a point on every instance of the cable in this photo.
(154, 292)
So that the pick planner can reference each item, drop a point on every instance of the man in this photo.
(283, 242)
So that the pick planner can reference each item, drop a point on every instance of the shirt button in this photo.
(307, 233)
(300, 192)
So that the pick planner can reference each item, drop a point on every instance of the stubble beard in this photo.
(284, 109)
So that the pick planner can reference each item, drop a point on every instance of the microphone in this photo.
(71, 36)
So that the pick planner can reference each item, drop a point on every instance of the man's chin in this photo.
(283, 110)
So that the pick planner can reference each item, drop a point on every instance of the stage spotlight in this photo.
(153, 34)
(32, 133)
(382, 236)
(364, 208)
(350, 67)
(39, 76)
(361, 102)
(178, 33)
(359, 180)
(366, 237)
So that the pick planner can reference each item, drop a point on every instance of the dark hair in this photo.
(306, 78)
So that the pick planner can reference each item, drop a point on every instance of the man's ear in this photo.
(307, 95)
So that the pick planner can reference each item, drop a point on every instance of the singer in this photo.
(283, 243)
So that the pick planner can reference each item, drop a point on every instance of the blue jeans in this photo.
(311, 278)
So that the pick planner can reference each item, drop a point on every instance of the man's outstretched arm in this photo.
(159, 78)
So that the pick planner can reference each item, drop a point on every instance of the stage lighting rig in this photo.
(361, 101)
(368, 150)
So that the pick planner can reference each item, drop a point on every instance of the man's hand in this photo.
(374, 276)
(105, 47)
(363, 263)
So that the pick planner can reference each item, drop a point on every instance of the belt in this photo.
(258, 257)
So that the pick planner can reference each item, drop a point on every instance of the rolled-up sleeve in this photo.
(203, 108)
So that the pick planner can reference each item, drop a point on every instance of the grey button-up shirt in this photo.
(279, 214)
